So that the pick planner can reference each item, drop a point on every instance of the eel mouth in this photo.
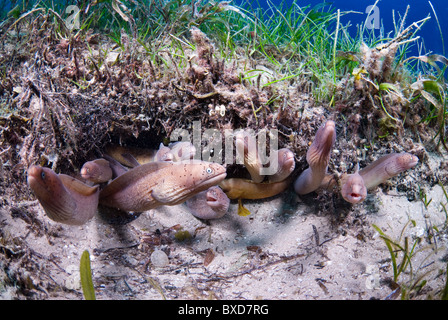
(414, 161)
(211, 197)
(355, 197)
(34, 171)
(34, 177)
(85, 173)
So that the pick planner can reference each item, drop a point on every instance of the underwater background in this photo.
(134, 72)
(431, 33)
(419, 9)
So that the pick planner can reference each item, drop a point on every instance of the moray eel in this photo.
(129, 156)
(237, 188)
(353, 187)
(97, 171)
(247, 145)
(117, 168)
(164, 154)
(132, 157)
(212, 203)
(182, 150)
(153, 184)
(286, 165)
(387, 167)
(318, 157)
(64, 198)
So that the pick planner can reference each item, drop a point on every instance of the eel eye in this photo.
(209, 170)
(42, 175)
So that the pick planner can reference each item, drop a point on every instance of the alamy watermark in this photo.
(373, 17)
(372, 21)
(72, 21)
(219, 147)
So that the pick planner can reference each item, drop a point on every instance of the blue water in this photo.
(419, 9)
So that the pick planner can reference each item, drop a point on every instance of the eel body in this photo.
(246, 147)
(182, 150)
(318, 157)
(387, 167)
(286, 165)
(97, 171)
(212, 203)
(130, 156)
(237, 188)
(354, 187)
(160, 183)
(64, 198)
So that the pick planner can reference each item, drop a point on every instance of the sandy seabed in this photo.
(289, 247)
(286, 249)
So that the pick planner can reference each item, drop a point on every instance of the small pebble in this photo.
(131, 260)
(73, 280)
(159, 258)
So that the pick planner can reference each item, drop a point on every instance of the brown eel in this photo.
(237, 188)
(212, 203)
(387, 167)
(354, 187)
(97, 171)
(130, 156)
(164, 154)
(246, 147)
(182, 150)
(153, 184)
(64, 198)
(318, 157)
(286, 165)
